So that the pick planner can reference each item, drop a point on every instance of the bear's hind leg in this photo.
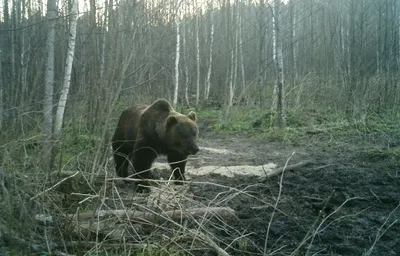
(121, 158)
(121, 164)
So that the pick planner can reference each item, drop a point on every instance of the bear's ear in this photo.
(192, 115)
(171, 120)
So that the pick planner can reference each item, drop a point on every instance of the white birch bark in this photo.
(233, 68)
(197, 61)
(274, 53)
(241, 53)
(279, 65)
(178, 49)
(235, 57)
(185, 61)
(208, 84)
(274, 32)
(48, 84)
(261, 55)
(293, 35)
(68, 68)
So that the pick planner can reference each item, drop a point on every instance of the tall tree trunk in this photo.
(378, 38)
(67, 72)
(185, 61)
(48, 85)
(197, 61)
(6, 14)
(311, 49)
(208, 84)
(6, 83)
(292, 17)
(93, 99)
(261, 54)
(279, 66)
(234, 55)
(241, 53)
(1, 91)
(352, 53)
(14, 80)
(398, 34)
(103, 42)
(274, 53)
(177, 54)
(24, 57)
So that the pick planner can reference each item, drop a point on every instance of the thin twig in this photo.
(209, 241)
(55, 185)
(382, 231)
(276, 204)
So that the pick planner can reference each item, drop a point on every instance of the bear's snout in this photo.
(194, 150)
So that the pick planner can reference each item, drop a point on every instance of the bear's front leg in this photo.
(177, 162)
(142, 159)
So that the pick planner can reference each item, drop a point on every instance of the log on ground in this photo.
(158, 218)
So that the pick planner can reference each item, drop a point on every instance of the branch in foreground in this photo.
(208, 241)
(277, 171)
(158, 218)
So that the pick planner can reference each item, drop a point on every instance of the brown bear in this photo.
(143, 132)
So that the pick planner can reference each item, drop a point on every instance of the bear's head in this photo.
(181, 133)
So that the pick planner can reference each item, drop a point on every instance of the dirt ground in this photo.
(344, 203)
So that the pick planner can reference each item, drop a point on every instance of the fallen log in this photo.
(157, 218)
(279, 170)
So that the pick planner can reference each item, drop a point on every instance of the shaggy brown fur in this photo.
(143, 132)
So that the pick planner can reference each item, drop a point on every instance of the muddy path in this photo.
(343, 204)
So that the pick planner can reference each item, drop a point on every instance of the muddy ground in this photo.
(346, 202)
(312, 216)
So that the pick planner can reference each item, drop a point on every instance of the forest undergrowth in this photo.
(40, 211)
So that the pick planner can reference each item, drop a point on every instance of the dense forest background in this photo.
(338, 56)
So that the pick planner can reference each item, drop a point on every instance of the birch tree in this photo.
(234, 56)
(177, 54)
(274, 52)
(197, 61)
(208, 83)
(103, 41)
(279, 65)
(48, 85)
(68, 67)
(293, 42)
(241, 52)
(261, 44)
(24, 56)
(185, 62)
